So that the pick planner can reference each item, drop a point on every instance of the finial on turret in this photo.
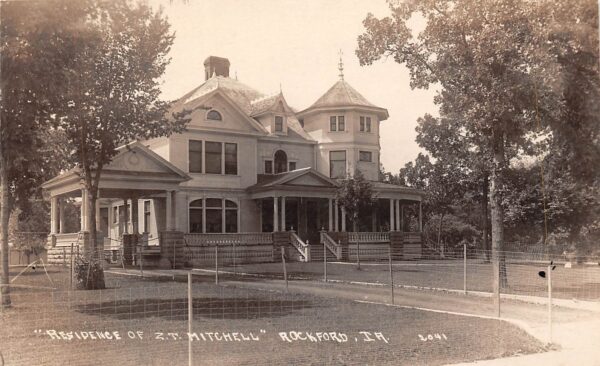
(341, 66)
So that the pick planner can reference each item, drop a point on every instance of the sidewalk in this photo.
(575, 332)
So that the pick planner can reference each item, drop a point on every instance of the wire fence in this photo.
(190, 320)
(239, 293)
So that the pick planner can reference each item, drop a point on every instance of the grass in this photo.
(152, 306)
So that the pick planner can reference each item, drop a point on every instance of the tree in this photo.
(494, 64)
(355, 195)
(113, 92)
(35, 38)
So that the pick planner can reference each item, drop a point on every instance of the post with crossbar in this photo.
(216, 264)
(550, 304)
(324, 260)
(190, 319)
(465, 268)
(284, 268)
(391, 273)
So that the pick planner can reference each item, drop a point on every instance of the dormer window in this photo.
(214, 115)
(337, 123)
(278, 124)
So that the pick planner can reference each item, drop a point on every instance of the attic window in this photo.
(214, 115)
(278, 124)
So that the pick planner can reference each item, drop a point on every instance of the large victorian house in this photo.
(250, 170)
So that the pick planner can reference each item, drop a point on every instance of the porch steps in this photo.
(316, 253)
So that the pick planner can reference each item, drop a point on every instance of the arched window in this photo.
(280, 161)
(219, 213)
(214, 115)
(196, 216)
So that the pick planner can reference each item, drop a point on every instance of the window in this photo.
(196, 216)
(337, 123)
(337, 164)
(231, 159)
(292, 165)
(213, 157)
(365, 156)
(220, 214)
(365, 124)
(115, 215)
(146, 216)
(214, 217)
(278, 124)
(214, 115)
(231, 217)
(195, 156)
(280, 161)
(268, 166)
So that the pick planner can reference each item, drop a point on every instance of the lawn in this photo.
(316, 330)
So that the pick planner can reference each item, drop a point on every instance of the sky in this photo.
(295, 45)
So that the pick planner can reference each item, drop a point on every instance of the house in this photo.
(251, 171)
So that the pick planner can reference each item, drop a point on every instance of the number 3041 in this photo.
(433, 337)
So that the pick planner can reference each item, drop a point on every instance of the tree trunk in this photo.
(4, 217)
(92, 273)
(484, 212)
(497, 213)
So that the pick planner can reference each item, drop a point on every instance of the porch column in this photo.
(126, 215)
(168, 211)
(53, 210)
(337, 221)
(275, 214)
(397, 215)
(330, 214)
(135, 215)
(283, 213)
(84, 210)
(223, 228)
(420, 216)
(391, 215)
(203, 211)
(61, 216)
(343, 219)
(401, 217)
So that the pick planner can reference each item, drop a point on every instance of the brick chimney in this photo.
(216, 65)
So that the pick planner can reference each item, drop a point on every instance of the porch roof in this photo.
(307, 182)
(134, 171)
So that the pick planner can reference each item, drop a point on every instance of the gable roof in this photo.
(298, 177)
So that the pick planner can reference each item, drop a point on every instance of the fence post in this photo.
(324, 261)
(391, 273)
(357, 253)
(216, 264)
(233, 258)
(550, 303)
(71, 277)
(465, 268)
(284, 268)
(190, 319)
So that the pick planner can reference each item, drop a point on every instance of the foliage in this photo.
(89, 275)
(112, 94)
(35, 37)
(355, 194)
(507, 72)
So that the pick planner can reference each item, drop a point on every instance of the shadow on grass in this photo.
(213, 308)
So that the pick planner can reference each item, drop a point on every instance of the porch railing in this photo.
(301, 246)
(228, 239)
(331, 245)
(368, 237)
